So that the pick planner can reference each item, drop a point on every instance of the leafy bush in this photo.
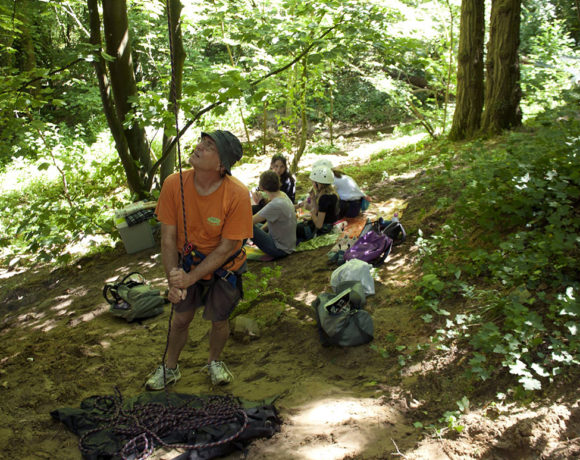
(68, 198)
(509, 250)
(359, 102)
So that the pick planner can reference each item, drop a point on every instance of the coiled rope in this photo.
(145, 425)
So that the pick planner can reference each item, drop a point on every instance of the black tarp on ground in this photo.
(107, 423)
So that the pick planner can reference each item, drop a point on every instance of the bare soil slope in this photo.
(59, 345)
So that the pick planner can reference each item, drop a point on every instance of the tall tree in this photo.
(117, 86)
(502, 88)
(467, 116)
(177, 60)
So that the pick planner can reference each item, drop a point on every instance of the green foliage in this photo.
(68, 199)
(549, 57)
(449, 420)
(361, 100)
(256, 286)
(509, 251)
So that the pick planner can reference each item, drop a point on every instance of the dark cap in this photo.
(229, 148)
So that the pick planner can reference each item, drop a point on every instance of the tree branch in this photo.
(171, 144)
(71, 13)
(23, 87)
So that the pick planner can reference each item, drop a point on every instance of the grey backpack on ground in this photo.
(341, 318)
(132, 298)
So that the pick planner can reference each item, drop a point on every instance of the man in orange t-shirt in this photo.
(218, 217)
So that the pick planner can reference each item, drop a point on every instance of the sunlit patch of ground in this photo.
(305, 296)
(333, 429)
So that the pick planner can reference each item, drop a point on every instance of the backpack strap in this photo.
(388, 246)
(110, 291)
(132, 282)
(110, 294)
(395, 231)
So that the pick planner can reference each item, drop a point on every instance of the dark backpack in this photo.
(340, 317)
(391, 228)
(132, 299)
(372, 248)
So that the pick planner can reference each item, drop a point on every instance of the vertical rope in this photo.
(173, 99)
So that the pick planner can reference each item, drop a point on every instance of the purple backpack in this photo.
(372, 248)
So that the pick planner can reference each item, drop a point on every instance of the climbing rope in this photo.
(174, 98)
(145, 425)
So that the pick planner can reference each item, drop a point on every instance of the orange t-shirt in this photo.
(225, 213)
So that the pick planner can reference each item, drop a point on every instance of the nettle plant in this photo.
(508, 255)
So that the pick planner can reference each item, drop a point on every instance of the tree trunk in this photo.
(123, 83)
(331, 116)
(131, 172)
(27, 53)
(449, 66)
(303, 117)
(467, 116)
(502, 89)
(178, 57)
(264, 127)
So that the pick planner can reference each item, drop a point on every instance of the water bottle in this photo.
(395, 217)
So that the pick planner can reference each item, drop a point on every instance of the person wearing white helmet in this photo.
(324, 204)
(322, 162)
(351, 196)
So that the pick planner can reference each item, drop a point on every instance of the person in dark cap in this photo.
(201, 252)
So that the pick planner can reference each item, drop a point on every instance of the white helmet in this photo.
(322, 162)
(322, 174)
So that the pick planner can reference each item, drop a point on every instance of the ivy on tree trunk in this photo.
(467, 116)
(502, 88)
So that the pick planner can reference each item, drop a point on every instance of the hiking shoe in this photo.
(219, 373)
(155, 381)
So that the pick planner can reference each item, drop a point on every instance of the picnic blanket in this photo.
(349, 227)
(352, 227)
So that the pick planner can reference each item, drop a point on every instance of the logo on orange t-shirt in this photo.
(213, 220)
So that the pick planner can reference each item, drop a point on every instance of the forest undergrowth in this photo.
(476, 315)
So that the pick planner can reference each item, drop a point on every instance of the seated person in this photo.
(279, 165)
(324, 205)
(351, 196)
(280, 218)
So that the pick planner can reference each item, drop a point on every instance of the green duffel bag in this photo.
(133, 299)
(341, 318)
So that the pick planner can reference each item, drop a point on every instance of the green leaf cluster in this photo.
(61, 205)
(508, 251)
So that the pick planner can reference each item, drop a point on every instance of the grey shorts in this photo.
(217, 295)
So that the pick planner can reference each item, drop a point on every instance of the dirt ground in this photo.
(60, 345)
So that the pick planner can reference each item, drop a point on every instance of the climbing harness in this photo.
(226, 275)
